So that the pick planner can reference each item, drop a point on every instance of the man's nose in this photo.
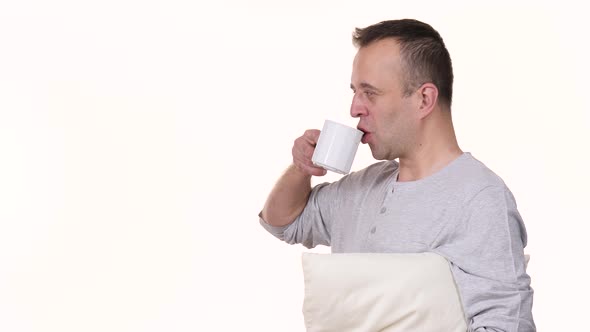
(357, 108)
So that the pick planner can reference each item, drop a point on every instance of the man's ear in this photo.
(427, 95)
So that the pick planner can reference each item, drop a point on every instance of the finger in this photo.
(303, 147)
(312, 135)
(300, 150)
(304, 154)
(307, 151)
(307, 166)
(313, 170)
(304, 161)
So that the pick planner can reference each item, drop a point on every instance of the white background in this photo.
(139, 139)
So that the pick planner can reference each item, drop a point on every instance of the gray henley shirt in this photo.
(463, 212)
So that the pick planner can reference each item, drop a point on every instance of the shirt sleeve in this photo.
(312, 226)
(487, 260)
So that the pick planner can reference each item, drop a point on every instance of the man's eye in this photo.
(369, 93)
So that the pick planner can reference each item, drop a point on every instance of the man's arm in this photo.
(487, 261)
(289, 196)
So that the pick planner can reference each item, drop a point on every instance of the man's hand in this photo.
(302, 151)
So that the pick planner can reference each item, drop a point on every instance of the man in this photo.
(435, 199)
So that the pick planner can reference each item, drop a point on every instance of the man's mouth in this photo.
(365, 135)
(365, 138)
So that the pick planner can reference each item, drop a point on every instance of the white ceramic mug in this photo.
(336, 147)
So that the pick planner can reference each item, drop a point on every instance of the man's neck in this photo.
(434, 150)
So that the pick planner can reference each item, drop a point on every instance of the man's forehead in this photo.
(376, 60)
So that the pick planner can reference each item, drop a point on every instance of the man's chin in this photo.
(375, 153)
(380, 155)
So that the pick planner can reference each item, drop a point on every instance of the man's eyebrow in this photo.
(365, 86)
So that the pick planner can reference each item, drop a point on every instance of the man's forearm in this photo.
(288, 197)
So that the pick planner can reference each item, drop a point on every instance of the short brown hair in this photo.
(424, 55)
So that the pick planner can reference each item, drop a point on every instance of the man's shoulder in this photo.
(471, 176)
(475, 171)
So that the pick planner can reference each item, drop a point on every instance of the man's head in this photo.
(401, 74)
(423, 54)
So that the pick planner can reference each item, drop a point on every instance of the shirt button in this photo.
(383, 209)
(373, 230)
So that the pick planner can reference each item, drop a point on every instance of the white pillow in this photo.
(380, 292)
